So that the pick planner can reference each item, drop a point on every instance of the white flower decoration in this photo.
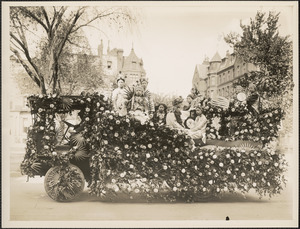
(216, 123)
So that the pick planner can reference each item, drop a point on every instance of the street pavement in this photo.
(29, 204)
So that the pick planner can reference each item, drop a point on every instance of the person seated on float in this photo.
(148, 95)
(187, 103)
(194, 93)
(160, 114)
(139, 106)
(118, 97)
(173, 119)
(198, 130)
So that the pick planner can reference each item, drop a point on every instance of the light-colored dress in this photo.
(139, 108)
(118, 101)
(172, 122)
(199, 129)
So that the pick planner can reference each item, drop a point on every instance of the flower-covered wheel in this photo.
(64, 184)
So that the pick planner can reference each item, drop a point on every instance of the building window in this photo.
(134, 64)
(109, 63)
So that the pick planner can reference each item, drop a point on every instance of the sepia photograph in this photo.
(150, 114)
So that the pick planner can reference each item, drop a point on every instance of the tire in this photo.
(69, 190)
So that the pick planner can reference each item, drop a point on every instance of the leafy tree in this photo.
(42, 36)
(261, 45)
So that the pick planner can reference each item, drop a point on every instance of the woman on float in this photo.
(118, 97)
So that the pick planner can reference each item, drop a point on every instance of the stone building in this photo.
(114, 62)
(215, 77)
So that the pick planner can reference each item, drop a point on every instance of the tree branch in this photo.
(27, 69)
(46, 16)
(33, 16)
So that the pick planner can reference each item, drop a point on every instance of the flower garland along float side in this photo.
(147, 161)
(154, 162)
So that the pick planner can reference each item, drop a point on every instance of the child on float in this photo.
(139, 105)
(198, 130)
(160, 114)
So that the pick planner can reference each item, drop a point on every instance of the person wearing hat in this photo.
(188, 102)
(118, 97)
(147, 93)
(173, 119)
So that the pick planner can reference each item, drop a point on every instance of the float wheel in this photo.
(64, 184)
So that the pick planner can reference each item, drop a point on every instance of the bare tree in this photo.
(45, 32)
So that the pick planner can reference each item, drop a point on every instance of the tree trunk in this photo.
(53, 71)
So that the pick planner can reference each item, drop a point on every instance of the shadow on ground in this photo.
(122, 198)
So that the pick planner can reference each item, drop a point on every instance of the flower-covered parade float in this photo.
(121, 156)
